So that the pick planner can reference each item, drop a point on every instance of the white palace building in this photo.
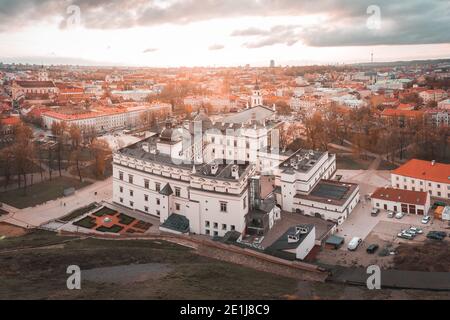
(211, 178)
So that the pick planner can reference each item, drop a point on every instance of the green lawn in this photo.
(126, 220)
(40, 192)
(350, 163)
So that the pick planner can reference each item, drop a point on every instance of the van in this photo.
(354, 243)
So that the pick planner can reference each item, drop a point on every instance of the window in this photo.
(158, 202)
(146, 184)
(121, 189)
(213, 139)
(439, 186)
(224, 227)
(216, 225)
(158, 212)
(131, 204)
(223, 207)
(131, 193)
(158, 186)
(232, 227)
(245, 202)
(439, 193)
(120, 175)
(207, 224)
(177, 206)
(216, 233)
(177, 192)
(121, 200)
(146, 209)
(207, 232)
(145, 197)
(130, 178)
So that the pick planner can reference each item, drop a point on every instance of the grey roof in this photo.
(282, 242)
(176, 222)
(302, 160)
(166, 191)
(335, 240)
(258, 113)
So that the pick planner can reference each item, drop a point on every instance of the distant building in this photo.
(272, 63)
(23, 88)
(104, 119)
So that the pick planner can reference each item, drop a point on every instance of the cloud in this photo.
(149, 50)
(403, 22)
(216, 47)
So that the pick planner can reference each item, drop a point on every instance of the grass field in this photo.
(348, 162)
(40, 192)
(41, 273)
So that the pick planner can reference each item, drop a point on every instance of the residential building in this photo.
(423, 176)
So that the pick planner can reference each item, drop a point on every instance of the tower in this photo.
(43, 74)
(256, 96)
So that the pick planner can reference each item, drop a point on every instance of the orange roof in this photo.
(424, 170)
(399, 195)
(401, 113)
(11, 121)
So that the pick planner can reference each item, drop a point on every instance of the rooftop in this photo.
(301, 161)
(399, 195)
(330, 191)
(425, 170)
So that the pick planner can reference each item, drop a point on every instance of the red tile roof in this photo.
(11, 121)
(424, 170)
(399, 195)
(401, 113)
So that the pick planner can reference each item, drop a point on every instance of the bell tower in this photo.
(256, 96)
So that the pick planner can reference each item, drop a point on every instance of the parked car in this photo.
(354, 243)
(404, 235)
(426, 219)
(416, 230)
(411, 232)
(399, 215)
(375, 212)
(372, 248)
(435, 236)
(390, 214)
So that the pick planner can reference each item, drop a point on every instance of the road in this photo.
(36, 216)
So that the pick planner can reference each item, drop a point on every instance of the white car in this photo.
(399, 215)
(390, 214)
(416, 230)
(354, 243)
(426, 219)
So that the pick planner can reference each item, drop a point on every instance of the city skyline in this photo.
(227, 33)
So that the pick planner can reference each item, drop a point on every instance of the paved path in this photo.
(398, 279)
(41, 214)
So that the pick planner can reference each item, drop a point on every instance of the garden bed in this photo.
(86, 222)
(126, 220)
(105, 212)
(113, 229)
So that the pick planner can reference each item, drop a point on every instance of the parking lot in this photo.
(383, 233)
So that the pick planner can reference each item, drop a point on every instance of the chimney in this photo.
(214, 168)
(235, 171)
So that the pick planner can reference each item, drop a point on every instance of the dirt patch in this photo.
(429, 256)
(127, 274)
(9, 230)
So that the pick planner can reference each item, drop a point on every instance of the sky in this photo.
(172, 33)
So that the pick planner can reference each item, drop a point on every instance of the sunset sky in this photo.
(221, 32)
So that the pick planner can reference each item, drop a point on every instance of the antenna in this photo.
(371, 58)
